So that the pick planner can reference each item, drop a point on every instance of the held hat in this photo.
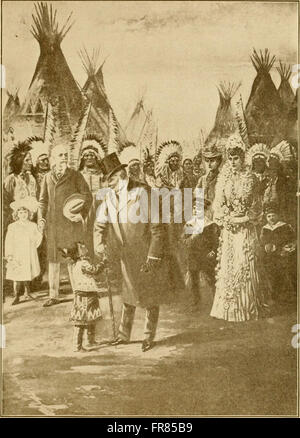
(73, 205)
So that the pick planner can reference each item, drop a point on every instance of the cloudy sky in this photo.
(175, 53)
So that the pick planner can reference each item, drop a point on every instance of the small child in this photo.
(279, 244)
(22, 240)
(86, 309)
(201, 252)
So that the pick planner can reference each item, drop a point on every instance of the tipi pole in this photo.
(45, 122)
(156, 141)
(142, 130)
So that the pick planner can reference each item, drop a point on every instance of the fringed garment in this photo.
(86, 309)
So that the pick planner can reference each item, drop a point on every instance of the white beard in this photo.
(62, 167)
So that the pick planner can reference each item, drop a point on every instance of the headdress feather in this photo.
(258, 149)
(283, 151)
(165, 151)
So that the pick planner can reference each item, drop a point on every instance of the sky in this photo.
(172, 53)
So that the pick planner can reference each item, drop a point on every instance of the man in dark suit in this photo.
(57, 186)
(146, 267)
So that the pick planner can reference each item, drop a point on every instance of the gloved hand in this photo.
(211, 255)
(150, 265)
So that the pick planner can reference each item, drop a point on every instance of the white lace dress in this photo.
(238, 294)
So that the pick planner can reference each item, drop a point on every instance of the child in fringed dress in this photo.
(86, 308)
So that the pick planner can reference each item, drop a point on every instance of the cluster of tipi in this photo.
(56, 109)
(270, 115)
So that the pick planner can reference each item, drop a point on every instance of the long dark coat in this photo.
(136, 242)
(60, 231)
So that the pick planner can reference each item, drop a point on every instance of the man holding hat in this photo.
(146, 268)
(65, 200)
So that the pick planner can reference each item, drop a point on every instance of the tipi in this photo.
(225, 122)
(11, 110)
(94, 91)
(264, 109)
(137, 122)
(285, 90)
(52, 80)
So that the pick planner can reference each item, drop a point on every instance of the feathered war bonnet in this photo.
(258, 150)
(165, 151)
(38, 148)
(282, 151)
(92, 143)
(17, 155)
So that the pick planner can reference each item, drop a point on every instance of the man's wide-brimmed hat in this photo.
(73, 205)
(111, 164)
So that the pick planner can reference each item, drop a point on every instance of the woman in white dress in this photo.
(236, 210)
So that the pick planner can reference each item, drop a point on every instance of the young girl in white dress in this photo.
(21, 243)
(237, 209)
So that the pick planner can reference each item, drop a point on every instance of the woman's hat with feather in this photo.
(235, 141)
(165, 151)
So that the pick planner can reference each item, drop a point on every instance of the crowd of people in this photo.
(246, 251)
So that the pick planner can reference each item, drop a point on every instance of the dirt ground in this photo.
(199, 366)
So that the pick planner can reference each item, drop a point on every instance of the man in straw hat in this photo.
(58, 185)
(146, 269)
